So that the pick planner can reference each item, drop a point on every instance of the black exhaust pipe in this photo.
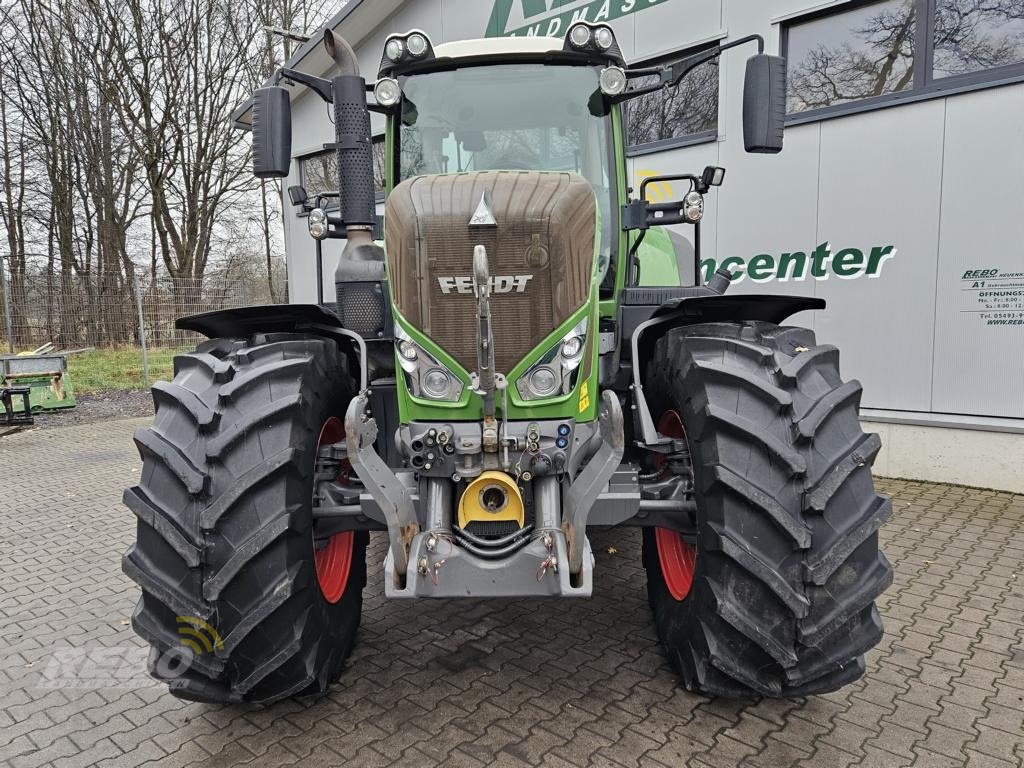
(359, 279)
(353, 142)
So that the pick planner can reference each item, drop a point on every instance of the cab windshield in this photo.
(531, 117)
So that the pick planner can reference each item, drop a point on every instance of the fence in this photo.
(73, 311)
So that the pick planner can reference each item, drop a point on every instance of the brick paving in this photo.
(514, 683)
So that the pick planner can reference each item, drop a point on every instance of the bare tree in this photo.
(12, 204)
(688, 108)
(878, 57)
(880, 61)
(118, 149)
(977, 34)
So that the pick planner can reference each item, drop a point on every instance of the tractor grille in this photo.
(545, 230)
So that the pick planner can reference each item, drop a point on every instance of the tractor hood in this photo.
(539, 229)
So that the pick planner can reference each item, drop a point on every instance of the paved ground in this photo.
(499, 683)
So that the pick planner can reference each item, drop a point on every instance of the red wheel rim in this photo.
(334, 561)
(678, 557)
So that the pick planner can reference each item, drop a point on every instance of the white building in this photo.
(899, 197)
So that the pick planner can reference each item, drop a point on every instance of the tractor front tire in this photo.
(774, 594)
(240, 602)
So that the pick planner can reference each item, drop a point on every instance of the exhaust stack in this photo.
(359, 279)
(352, 140)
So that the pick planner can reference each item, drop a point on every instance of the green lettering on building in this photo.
(551, 18)
(822, 263)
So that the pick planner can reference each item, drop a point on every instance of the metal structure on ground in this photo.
(494, 382)
(45, 376)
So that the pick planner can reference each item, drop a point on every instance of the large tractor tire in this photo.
(241, 600)
(773, 594)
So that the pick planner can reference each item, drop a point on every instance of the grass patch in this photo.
(104, 370)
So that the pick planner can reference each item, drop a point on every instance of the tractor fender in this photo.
(702, 309)
(311, 319)
(716, 309)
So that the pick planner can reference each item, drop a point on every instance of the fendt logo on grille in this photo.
(499, 284)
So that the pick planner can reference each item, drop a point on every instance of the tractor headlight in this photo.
(572, 346)
(543, 381)
(579, 36)
(437, 384)
(416, 44)
(387, 92)
(425, 376)
(317, 223)
(557, 370)
(603, 38)
(399, 50)
(407, 349)
(613, 81)
(394, 49)
(593, 38)
(693, 206)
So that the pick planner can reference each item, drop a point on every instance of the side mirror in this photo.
(297, 195)
(764, 104)
(713, 176)
(271, 132)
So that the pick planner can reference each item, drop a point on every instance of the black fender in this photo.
(269, 318)
(716, 309)
(693, 311)
(279, 318)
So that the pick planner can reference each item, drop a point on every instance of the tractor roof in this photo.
(497, 50)
(497, 46)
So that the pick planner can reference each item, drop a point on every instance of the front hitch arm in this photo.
(391, 496)
(580, 496)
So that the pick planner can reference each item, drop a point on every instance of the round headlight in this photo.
(387, 91)
(693, 206)
(317, 216)
(407, 349)
(613, 81)
(318, 230)
(436, 383)
(416, 44)
(543, 381)
(572, 346)
(394, 49)
(579, 36)
(604, 38)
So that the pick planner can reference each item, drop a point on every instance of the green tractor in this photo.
(523, 359)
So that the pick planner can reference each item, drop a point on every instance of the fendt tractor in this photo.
(527, 356)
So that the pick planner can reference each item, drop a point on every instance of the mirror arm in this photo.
(671, 75)
(681, 69)
(318, 84)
